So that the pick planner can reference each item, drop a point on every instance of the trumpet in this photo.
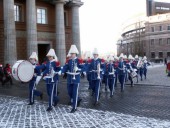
(52, 73)
(74, 70)
(98, 71)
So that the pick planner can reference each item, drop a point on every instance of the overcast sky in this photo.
(101, 20)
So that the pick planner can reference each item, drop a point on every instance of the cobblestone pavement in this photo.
(156, 76)
(15, 113)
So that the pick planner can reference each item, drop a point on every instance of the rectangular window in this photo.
(152, 41)
(160, 28)
(168, 28)
(160, 41)
(17, 12)
(168, 41)
(152, 54)
(160, 54)
(168, 54)
(41, 16)
(152, 29)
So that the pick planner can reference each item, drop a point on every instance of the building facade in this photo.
(38, 25)
(146, 36)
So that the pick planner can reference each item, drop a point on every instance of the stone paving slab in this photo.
(15, 113)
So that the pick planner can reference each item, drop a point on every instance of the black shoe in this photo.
(31, 103)
(55, 103)
(96, 103)
(78, 103)
(41, 96)
(49, 109)
(73, 110)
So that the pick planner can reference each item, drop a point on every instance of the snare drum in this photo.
(22, 71)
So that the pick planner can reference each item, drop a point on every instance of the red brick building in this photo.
(38, 25)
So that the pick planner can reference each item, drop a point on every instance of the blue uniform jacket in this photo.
(109, 68)
(69, 67)
(92, 67)
(121, 68)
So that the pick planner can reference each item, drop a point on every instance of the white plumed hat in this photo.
(73, 49)
(136, 56)
(52, 53)
(88, 54)
(121, 55)
(144, 58)
(95, 51)
(130, 57)
(110, 58)
(34, 56)
(125, 57)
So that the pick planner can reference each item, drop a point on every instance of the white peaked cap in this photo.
(121, 55)
(130, 57)
(34, 56)
(136, 56)
(110, 58)
(52, 53)
(125, 57)
(95, 51)
(73, 49)
(144, 58)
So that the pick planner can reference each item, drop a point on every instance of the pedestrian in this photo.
(73, 67)
(1, 74)
(35, 80)
(8, 74)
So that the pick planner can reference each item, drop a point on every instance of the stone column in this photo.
(31, 27)
(60, 31)
(9, 33)
(75, 24)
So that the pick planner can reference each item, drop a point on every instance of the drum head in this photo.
(25, 71)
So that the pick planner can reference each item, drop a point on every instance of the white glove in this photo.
(38, 79)
(59, 73)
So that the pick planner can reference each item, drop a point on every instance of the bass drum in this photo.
(22, 71)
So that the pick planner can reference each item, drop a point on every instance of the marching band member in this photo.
(168, 67)
(145, 65)
(110, 75)
(116, 63)
(35, 80)
(87, 62)
(50, 73)
(73, 67)
(121, 72)
(95, 67)
(130, 69)
(125, 60)
(135, 64)
(140, 67)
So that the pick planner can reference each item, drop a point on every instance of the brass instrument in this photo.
(140, 63)
(74, 70)
(52, 73)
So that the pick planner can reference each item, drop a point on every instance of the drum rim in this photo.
(18, 75)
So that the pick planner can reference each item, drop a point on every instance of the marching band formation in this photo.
(97, 71)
